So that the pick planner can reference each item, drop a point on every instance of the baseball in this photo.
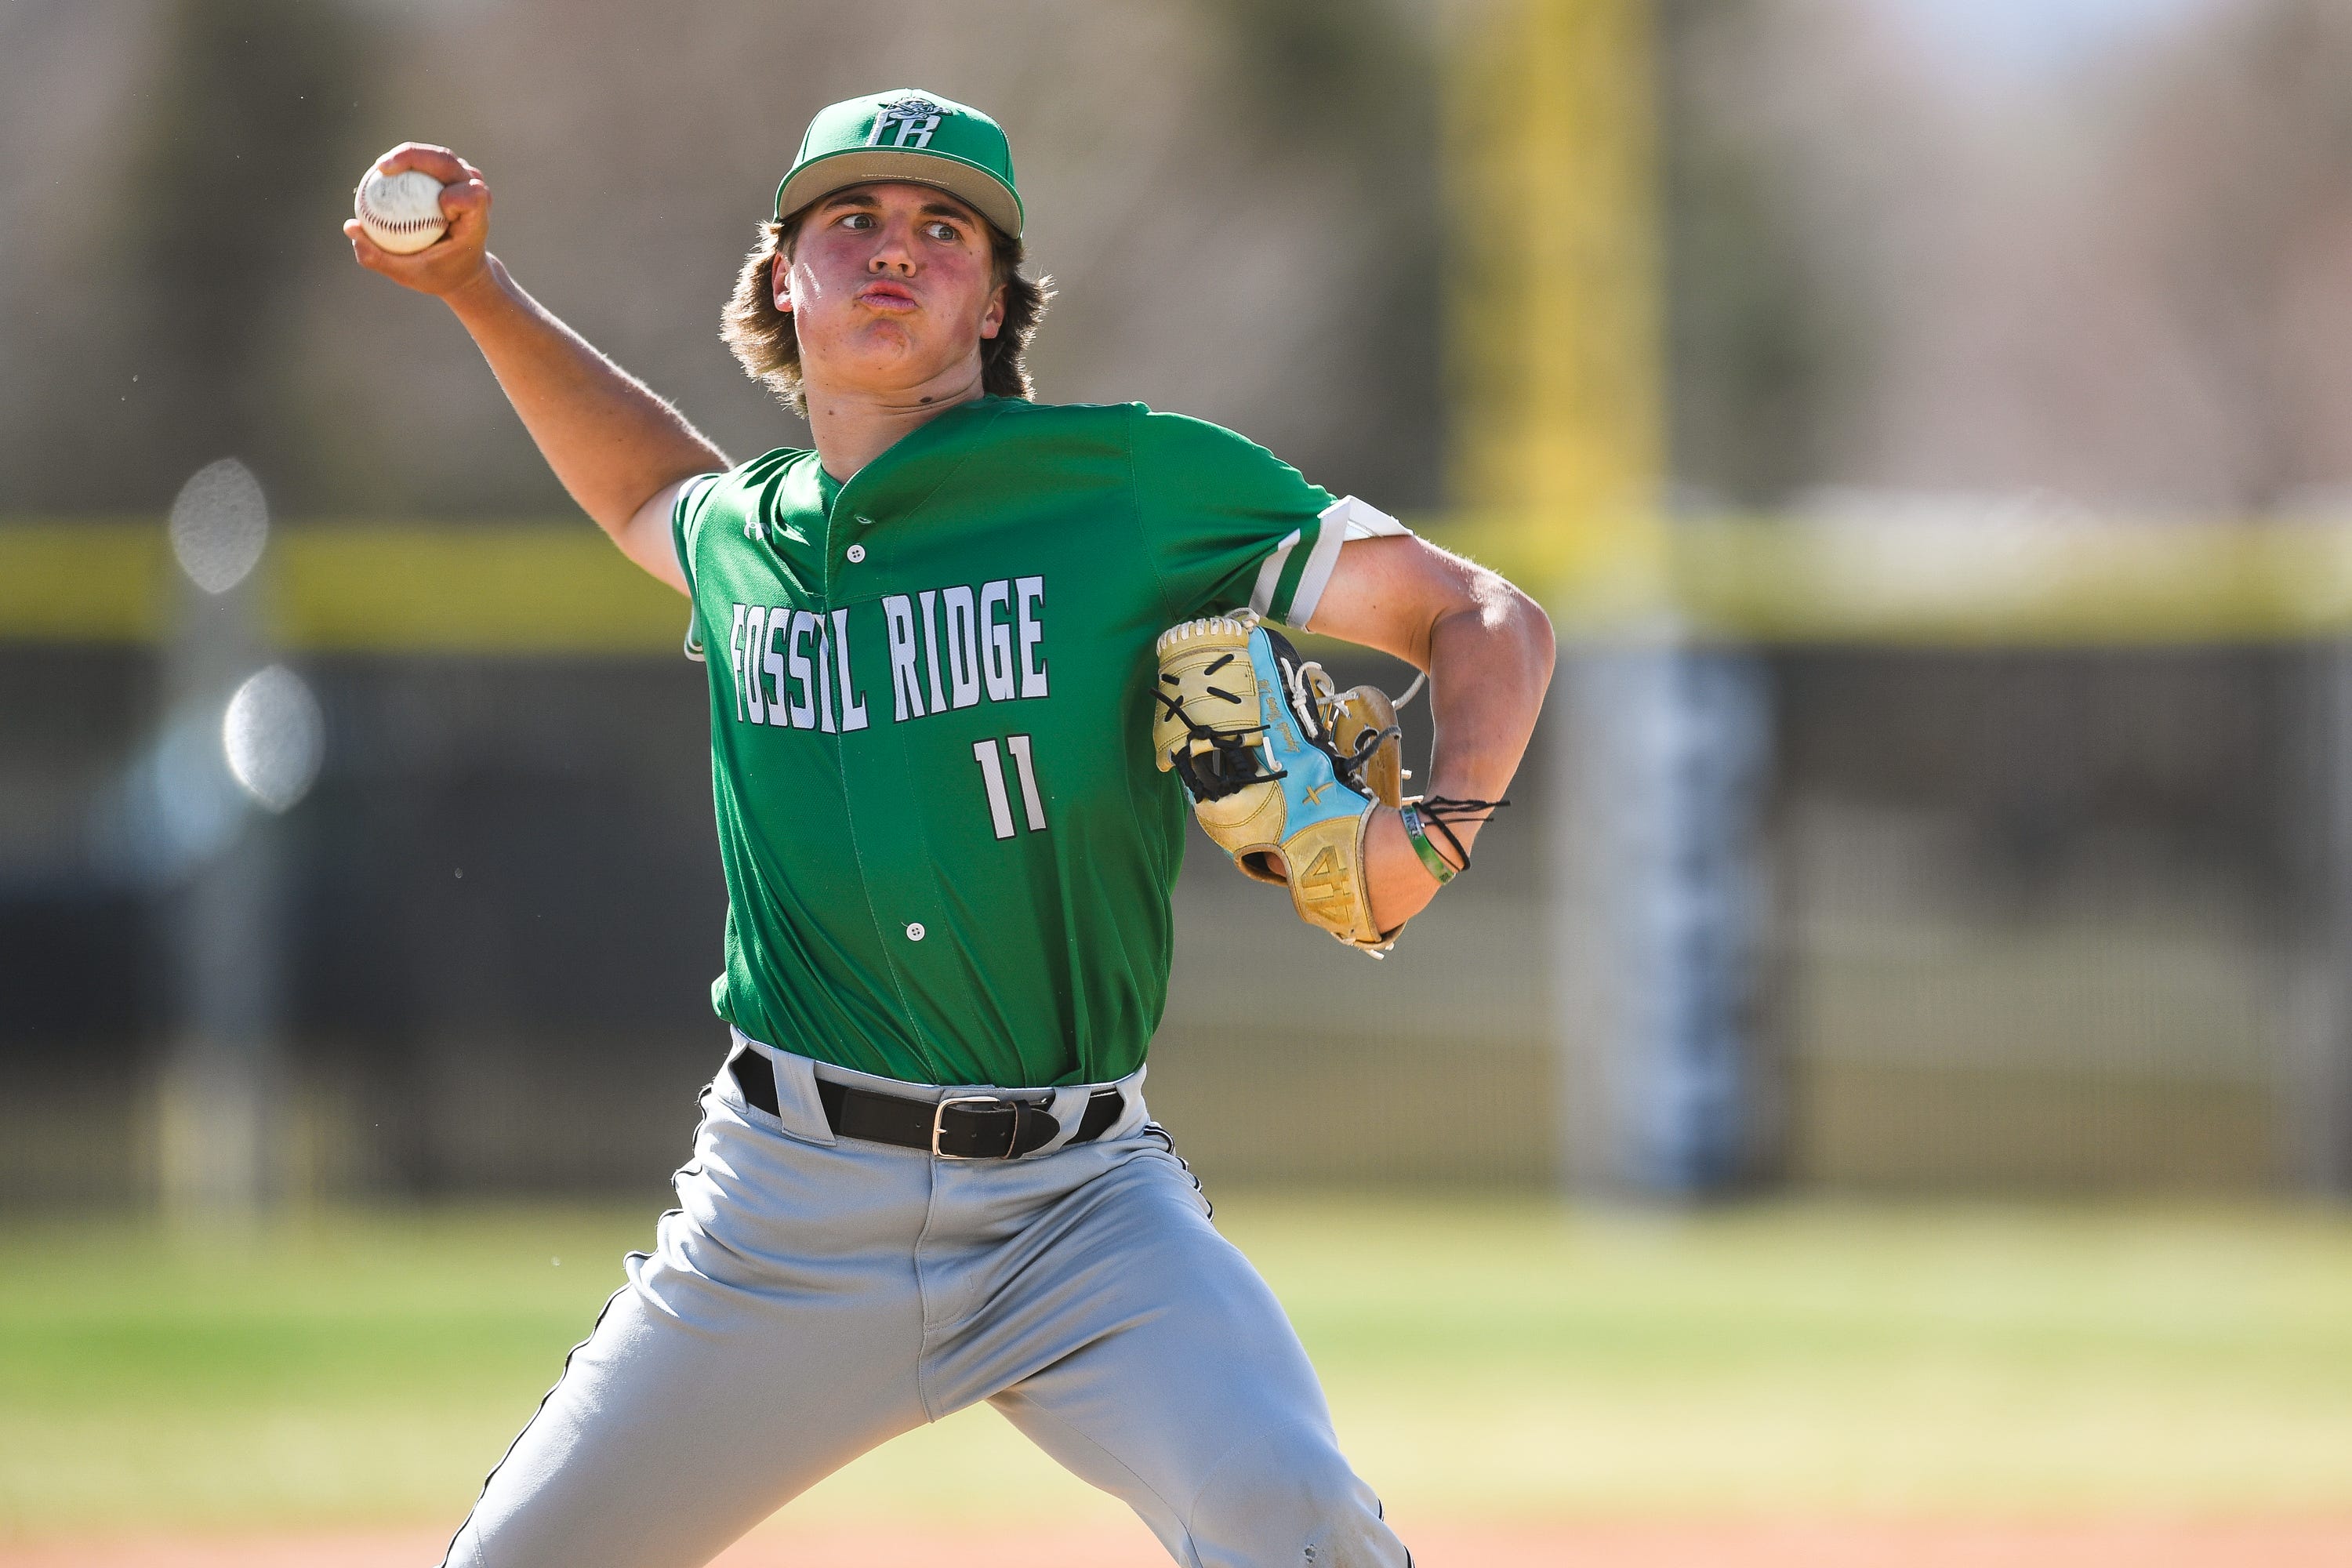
(402, 212)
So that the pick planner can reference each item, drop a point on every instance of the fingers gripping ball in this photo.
(402, 212)
(1285, 771)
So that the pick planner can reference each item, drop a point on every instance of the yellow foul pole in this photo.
(1554, 292)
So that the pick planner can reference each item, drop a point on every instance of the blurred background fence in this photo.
(1944, 789)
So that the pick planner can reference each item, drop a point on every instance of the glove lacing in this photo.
(1231, 750)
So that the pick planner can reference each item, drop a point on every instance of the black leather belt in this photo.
(961, 1127)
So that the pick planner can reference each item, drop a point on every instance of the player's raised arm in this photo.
(617, 448)
(1488, 651)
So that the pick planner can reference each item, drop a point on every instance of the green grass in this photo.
(1488, 1360)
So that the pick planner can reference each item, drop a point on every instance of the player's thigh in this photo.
(1187, 1392)
(711, 1390)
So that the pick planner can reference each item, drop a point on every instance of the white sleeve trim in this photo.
(1269, 574)
(1343, 519)
(688, 492)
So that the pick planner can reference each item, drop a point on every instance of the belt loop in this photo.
(1067, 1108)
(797, 1104)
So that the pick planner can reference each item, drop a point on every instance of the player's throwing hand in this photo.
(459, 256)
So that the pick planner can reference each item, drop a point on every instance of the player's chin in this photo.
(898, 353)
(876, 338)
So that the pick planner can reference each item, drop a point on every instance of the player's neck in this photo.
(854, 425)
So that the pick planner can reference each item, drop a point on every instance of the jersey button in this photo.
(914, 931)
(856, 553)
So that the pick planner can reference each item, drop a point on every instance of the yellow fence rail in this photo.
(404, 587)
(549, 589)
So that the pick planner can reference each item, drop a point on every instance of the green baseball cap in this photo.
(912, 135)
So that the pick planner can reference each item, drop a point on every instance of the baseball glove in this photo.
(1283, 769)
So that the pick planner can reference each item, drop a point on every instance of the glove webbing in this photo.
(1227, 744)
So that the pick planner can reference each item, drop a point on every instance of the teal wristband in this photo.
(1439, 866)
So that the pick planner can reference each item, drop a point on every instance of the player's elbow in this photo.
(1538, 646)
(1509, 624)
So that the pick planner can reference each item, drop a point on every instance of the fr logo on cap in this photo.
(916, 118)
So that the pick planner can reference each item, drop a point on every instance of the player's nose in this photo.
(896, 253)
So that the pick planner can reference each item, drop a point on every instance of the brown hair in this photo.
(768, 346)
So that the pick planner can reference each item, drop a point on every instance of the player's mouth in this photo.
(888, 297)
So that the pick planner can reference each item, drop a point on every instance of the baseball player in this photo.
(969, 661)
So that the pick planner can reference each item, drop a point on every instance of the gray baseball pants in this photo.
(813, 1296)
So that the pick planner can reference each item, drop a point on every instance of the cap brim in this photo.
(967, 180)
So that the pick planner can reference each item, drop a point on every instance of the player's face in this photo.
(891, 288)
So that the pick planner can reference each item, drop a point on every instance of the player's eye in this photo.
(858, 220)
(944, 232)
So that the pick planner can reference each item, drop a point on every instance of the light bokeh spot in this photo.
(219, 524)
(274, 737)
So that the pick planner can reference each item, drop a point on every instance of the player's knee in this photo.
(1288, 1499)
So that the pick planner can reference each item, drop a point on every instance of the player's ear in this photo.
(992, 321)
(781, 285)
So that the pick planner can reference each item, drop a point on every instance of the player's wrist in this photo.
(475, 296)
(1442, 861)
(1449, 826)
(1397, 885)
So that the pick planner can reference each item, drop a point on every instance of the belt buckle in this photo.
(940, 1117)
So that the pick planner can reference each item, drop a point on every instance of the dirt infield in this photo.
(2254, 1544)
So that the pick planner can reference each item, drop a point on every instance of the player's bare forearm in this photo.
(1488, 650)
(614, 444)
(610, 439)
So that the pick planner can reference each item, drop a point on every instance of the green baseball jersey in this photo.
(947, 849)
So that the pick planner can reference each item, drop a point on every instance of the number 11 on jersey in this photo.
(992, 771)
